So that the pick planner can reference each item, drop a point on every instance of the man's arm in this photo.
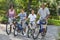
(48, 13)
(47, 16)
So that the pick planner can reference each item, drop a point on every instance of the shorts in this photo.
(32, 25)
(23, 23)
(10, 20)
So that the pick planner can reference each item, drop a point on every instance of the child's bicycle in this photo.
(18, 27)
(31, 30)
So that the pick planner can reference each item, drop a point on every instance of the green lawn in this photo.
(54, 22)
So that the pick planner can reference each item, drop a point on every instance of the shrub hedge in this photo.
(50, 21)
(54, 22)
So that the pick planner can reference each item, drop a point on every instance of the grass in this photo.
(54, 22)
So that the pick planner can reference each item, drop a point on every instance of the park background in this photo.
(53, 5)
(27, 5)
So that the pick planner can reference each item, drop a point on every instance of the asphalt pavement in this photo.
(52, 34)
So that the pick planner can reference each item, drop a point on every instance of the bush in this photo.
(3, 19)
(54, 22)
(54, 17)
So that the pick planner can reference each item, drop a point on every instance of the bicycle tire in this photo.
(38, 29)
(28, 33)
(44, 33)
(33, 31)
(8, 31)
(15, 31)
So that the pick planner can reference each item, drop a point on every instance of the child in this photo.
(22, 16)
(32, 19)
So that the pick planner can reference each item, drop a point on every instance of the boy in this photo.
(22, 16)
(32, 19)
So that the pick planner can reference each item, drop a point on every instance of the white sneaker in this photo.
(34, 35)
(24, 34)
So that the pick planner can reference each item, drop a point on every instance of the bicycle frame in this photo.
(19, 26)
(42, 25)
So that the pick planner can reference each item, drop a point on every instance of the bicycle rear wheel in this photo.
(44, 32)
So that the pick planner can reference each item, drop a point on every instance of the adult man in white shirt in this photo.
(43, 12)
(32, 18)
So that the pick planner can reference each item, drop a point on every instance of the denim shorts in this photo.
(10, 20)
(23, 23)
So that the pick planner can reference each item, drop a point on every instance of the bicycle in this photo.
(43, 28)
(31, 30)
(18, 27)
(9, 27)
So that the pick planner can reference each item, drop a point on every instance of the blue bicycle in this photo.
(43, 28)
(18, 27)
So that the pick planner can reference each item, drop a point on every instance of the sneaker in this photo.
(25, 34)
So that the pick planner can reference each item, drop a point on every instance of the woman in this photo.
(11, 14)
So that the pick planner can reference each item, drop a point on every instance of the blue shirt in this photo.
(22, 15)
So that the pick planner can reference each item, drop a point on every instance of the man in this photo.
(44, 13)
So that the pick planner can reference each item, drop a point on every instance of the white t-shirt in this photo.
(43, 12)
(32, 17)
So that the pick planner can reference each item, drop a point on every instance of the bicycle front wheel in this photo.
(15, 31)
(8, 28)
(36, 33)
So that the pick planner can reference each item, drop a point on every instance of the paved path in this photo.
(52, 34)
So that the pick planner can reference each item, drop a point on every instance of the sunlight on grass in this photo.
(54, 22)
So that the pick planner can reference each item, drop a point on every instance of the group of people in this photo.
(43, 12)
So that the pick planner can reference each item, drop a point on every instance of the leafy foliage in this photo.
(27, 4)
